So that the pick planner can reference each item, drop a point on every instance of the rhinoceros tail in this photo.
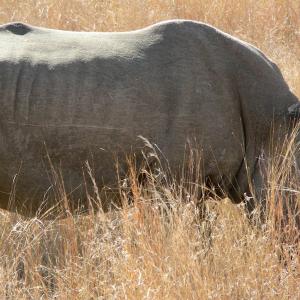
(17, 28)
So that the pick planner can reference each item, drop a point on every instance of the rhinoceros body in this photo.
(77, 96)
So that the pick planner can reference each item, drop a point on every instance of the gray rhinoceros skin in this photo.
(77, 96)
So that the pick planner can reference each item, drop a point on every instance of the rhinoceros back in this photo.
(69, 97)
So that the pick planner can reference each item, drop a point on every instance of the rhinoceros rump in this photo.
(80, 96)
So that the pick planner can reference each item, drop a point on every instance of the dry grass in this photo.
(152, 250)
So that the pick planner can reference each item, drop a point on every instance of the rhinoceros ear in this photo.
(294, 111)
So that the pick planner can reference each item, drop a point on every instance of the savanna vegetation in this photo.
(162, 245)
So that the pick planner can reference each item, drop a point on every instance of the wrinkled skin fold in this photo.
(70, 97)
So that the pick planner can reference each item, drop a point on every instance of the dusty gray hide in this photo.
(88, 96)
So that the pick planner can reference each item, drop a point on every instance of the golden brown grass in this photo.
(152, 250)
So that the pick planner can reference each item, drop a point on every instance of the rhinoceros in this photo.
(87, 96)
